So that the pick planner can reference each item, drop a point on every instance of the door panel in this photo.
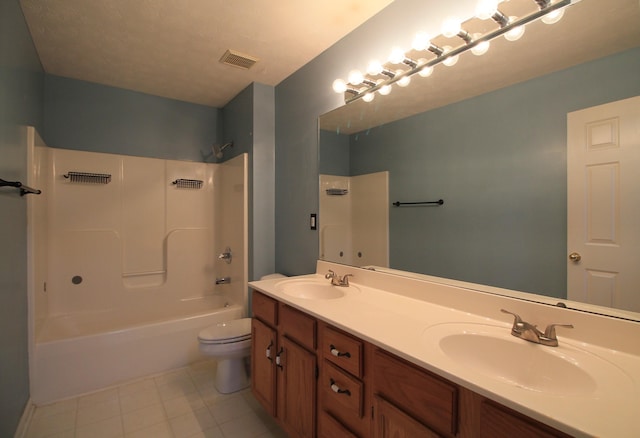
(603, 205)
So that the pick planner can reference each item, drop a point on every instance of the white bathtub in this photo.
(85, 352)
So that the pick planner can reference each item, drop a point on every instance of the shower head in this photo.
(218, 150)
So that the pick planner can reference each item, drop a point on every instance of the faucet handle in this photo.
(345, 279)
(516, 318)
(330, 274)
(550, 331)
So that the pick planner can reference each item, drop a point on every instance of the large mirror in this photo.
(488, 136)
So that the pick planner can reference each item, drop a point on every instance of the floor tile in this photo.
(159, 430)
(109, 428)
(191, 423)
(228, 408)
(246, 426)
(98, 397)
(143, 418)
(91, 413)
(182, 405)
(214, 432)
(134, 400)
(52, 424)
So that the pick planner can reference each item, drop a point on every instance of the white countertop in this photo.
(394, 313)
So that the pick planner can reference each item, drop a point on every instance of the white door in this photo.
(603, 205)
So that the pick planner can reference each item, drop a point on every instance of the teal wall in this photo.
(92, 117)
(499, 162)
(307, 94)
(21, 88)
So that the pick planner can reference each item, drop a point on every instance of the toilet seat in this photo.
(226, 332)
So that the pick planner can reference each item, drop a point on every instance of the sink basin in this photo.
(310, 289)
(493, 352)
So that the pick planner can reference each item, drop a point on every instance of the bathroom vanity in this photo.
(395, 356)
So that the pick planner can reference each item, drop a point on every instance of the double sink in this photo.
(468, 349)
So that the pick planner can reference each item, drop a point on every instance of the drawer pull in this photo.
(268, 352)
(338, 353)
(278, 357)
(335, 388)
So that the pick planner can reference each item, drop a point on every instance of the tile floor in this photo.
(179, 404)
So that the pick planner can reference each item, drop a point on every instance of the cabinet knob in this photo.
(278, 364)
(268, 352)
(338, 353)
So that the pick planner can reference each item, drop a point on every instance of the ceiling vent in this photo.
(238, 59)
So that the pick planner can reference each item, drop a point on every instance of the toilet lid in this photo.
(227, 331)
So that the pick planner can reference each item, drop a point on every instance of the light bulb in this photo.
(368, 97)
(451, 27)
(339, 86)
(515, 33)
(374, 68)
(396, 56)
(480, 48)
(385, 89)
(553, 17)
(485, 9)
(404, 81)
(355, 77)
(421, 41)
(426, 71)
(452, 60)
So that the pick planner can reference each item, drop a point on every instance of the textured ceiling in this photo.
(171, 48)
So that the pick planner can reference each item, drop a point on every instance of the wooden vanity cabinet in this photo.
(264, 344)
(317, 380)
(343, 401)
(408, 398)
(284, 364)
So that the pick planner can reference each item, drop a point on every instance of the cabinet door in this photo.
(263, 370)
(296, 389)
(392, 422)
(498, 421)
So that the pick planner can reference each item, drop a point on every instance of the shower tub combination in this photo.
(123, 268)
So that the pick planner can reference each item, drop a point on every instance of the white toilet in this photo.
(230, 343)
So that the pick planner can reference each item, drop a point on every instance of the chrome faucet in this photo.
(530, 332)
(336, 280)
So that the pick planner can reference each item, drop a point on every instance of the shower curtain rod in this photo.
(24, 190)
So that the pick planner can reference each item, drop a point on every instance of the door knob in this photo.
(575, 257)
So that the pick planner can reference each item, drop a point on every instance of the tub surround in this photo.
(394, 313)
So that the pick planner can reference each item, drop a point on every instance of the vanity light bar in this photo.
(371, 86)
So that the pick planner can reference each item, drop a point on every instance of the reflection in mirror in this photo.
(496, 154)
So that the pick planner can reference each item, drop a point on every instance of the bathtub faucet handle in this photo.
(226, 255)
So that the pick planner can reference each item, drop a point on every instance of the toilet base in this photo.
(231, 375)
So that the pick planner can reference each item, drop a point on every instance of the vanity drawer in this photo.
(342, 392)
(264, 308)
(329, 427)
(298, 326)
(343, 350)
(424, 396)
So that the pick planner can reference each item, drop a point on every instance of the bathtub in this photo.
(75, 354)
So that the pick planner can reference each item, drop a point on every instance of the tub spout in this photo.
(223, 280)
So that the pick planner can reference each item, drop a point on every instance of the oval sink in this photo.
(493, 352)
(310, 289)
